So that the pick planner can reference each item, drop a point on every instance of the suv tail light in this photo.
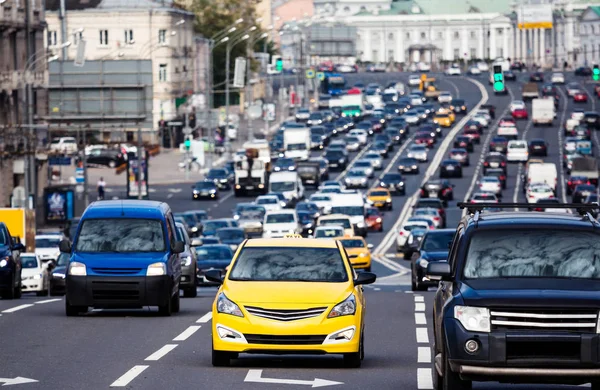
(436, 218)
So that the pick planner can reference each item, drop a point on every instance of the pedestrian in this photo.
(101, 186)
(565, 65)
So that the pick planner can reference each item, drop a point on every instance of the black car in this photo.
(450, 168)
(432, 128)
(322, 132)
(438, 188)
(10, 261)
(536, 77)
(57, 276)
(592, 120)
(284, 164)
(221, 177)
(582, 191)
(538, 147)
(474, 125)
(212, 257)
(377, 125)
(336, 159)
(306, 220)
(366, 126)
(411, 245)
(394, 134)
(111, 158)
(205, 189)
(433, 247)
(583, 71)
(509, 307)
(381, 148)
(460, 106)
(394, 182)
(499, 173)
(499, 144)
(384, 138)
(408, 165)
(316, 118)
(494, 160)
(509, 75)
(464, 142)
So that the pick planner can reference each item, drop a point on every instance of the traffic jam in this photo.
(435, 230)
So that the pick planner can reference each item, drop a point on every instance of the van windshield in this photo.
(118, 235)
(348, 210)
(283, 186)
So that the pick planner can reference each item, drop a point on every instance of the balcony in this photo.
(9, 81)
(12, 80)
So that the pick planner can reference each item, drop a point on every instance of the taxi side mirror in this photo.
(214, 275)
(364, 278)
(370, 246)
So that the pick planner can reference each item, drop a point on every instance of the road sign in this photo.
(80, 56)
(310, 74)
(239, 74)
(65, 161)
(79, 175)
(498, 78)
(255, 111)
(269, 110)
(174, 123)
(321, 76)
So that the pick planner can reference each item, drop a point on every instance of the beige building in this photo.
(160, 31)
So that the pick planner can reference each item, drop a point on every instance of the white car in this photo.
(430, 213)
(414, 80)
(352, 143)
(517, 150)
(324, 202)
(345, 69)
(482, 66)
(418, 152)
(484, 197)
(46, 246)
(517, 105)
(423, 67)
(329, 232)
(269, 202)
(415, 100)
(485, 114)
(557, 78)
(375, 159)
(481, 119)
(509, 131)
(412, 118)
(572, 89)
(34, 274)
(277, 224)
(67, 145)
(536, 192)
(362, 135)
(475, 71)
(445, 97)
(404, 232)
(577, 115)
(453, 71)
(366, 166)
(491, 184)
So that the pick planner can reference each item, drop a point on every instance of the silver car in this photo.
(356, 178)
(491, 184)
(375, 159)
(352, 144)
(412, 117)
(189, 263)
(418, 152)
(366, 166)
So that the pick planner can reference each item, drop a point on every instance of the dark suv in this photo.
(518, 299)
(10, 264)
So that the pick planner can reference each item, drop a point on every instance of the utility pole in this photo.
(29, 144)
(249, 43)
(86, 197)
(209, 92)
(281, 97)
(187, 158)
(140, 156)
(63, 27)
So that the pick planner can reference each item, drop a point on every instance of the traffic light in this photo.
(192, 121)
(279, 65)
(188, 143)
(498, 78)
(596, 73)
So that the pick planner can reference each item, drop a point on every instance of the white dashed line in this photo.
(420, 319)
(424, 379)
(128, 376)
(187, 333)
(17, 308)
(422, 336)
(419, 298)
(424, 355)
(205, 318)
(48, 301)
(419, 306)
(161, 352)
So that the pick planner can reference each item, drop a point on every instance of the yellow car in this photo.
(449, 112)
(442, 120)
(380, 198)
(359, 252)
(289, 296)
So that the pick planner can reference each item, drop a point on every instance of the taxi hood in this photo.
(286, 294)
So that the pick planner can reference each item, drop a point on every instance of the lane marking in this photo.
(129, 376)
(424, 379)
(424, 355)
(48, 301)
(419, 298)
(422, 336)
(17, 308)
(520, 167)
(420, 319)
(419, 306)
(161, 352)
(169, 196)
(351, 162)
(376, 289)
(187, 333)
(223, 199)
(205, 318)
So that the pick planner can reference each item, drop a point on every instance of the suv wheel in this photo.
(175, 304)
(451, 380)
(72, 311)
(18, 291)
(595, 385)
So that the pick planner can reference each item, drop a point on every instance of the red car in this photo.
(374, 219)
(507, 122)
(425, 138)
(520, 113)
(580, 97)
(473, 134)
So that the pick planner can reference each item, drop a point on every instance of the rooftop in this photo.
(111, 5)
(440, 7)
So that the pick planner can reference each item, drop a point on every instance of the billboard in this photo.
(535, 16)
(133, 170)
(59, 205)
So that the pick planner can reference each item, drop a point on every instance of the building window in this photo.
(52, 38)
(162, 36)
(473, 53)
(103, 37)
(390, 56)
(390, 37)
(423, 35)
(129, 37)
(456, 35)
(407, 35)
(347, 10)
(77, 37)
(440, 35)
(472, 34)
(162, 72)
(456, 54)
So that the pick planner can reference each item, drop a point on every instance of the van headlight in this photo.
(187, 261)
(474, 319)
(77, 269)
(156, 269)
(225, 306)
(345, 308)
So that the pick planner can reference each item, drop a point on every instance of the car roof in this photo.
(513, 219)
(126, 208)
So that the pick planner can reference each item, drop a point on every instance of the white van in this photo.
(289, 184)
(352, 205)
(517, 150)
(277, 224)
(542, 173)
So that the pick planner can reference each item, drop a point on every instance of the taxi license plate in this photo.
(379, 204)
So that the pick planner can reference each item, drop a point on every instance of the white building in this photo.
(134, 29)
(589, 31)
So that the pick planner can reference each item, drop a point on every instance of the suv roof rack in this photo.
(582, 208)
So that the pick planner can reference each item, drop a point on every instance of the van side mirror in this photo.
(214, 275)
(370, 246)
(365, 278)
(18, 247)
(177, 247)
(65, 246)
(439, 270)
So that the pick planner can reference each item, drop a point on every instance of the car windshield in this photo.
(283, 264)
(230, 234)
(345, 223)
(418, 148)
(391, 177)
(540, 189)
(348, 210)
(353, 243)
(29, 262)
(307, 206)
(47, 242)
(269, 200)
(217, 252)
(214, 225)
(204, 185)
(356, 173)
(118, 235)
(282, 186)
(413, 226)
(280, 218)
(216, 173)
(379, 193)
(526, 253)
(320, 198)
(437, 241)
(188, 218)
(362, 164)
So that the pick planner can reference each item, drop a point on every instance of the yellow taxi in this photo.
(442, 119)
(289, 296)
(380, 198)
(359, 252)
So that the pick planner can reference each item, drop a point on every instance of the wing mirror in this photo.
(18, 247)
(439, 270)
(177, 247)
(370, 246)
(65, 246)
(364, 278)
(214, 275)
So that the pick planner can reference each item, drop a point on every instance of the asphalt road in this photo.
(139, 350)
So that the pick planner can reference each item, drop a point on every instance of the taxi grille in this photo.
(285, 315)
(581, 321)
(285, 340)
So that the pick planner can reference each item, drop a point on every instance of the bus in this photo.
(334, 84)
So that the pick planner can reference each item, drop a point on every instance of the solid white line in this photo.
(420, 319)
(419, 298)
(376, 289)
(161, 352)
(187, 333)
(424, 355)
(424, 379)
(48, 301)
(223, 199)
(205, 318)
(419, 306)
(17, 308)
(128, 376)
(169, 196)
(351, 163)
(422, 336)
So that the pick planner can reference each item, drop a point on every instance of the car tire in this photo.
(191, 292)
(176, 302)
(380, 229)
(18, 291)
(354, 359)
(167, 309)
(451, 380)
(220, 358)
(368, 269)
(73, 311)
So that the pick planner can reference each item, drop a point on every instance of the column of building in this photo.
(505, 49)
(543, 59)
(493, 53)
(382, 47)
(464, 47)
(480, 41)
(367, 52)
(400, 54)
(448, 44)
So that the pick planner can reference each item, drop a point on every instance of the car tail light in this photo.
(436, 218)
(480, 185)
(503, 164)
(401, 233)
(485, 164)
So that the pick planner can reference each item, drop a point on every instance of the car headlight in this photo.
(156, 269)
(401, 184)
(423, 263)
(196, 191)
(213, 191)
(378, 220)
(77, 269)
(225, 306)
(363, 180)
(360, 225)
(474, 319)
(389, 200)
(59, 275)
(345, 308)
(341, 161)
(236, 217)
(369, 201)
(187, 261)
(363, 255)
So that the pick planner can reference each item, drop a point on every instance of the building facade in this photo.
(589, 31)
(161, 32)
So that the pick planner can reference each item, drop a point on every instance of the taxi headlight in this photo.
(187, 261)
(389, 200)
(345, 308)
(474, 319)
(156, 269)
(225, 306)
(363, 255)
(340, 336)
(77, 269)
(423, 263)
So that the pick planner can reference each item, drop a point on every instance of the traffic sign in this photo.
(65, 161)
(498, 78)
(79, 175)
(321, 76)
(310, 74)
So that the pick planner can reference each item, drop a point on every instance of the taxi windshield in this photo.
(353, 243)
(379, 193)
(289, 264)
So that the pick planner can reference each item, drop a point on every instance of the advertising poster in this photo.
(59, 205)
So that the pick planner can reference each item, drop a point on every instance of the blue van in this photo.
(124, 255)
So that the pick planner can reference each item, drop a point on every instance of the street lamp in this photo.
(230, 44)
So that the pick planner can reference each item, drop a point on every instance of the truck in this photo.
(310, 172)
(296, 142)
(530, 91)
(335, 102)
(586, 167)
(352, 105)
(263, 148)
(352, 205)
(542, 111)
(541, 173)
(333, 84)
(20, 223)
(504, 63)
(251, 174)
